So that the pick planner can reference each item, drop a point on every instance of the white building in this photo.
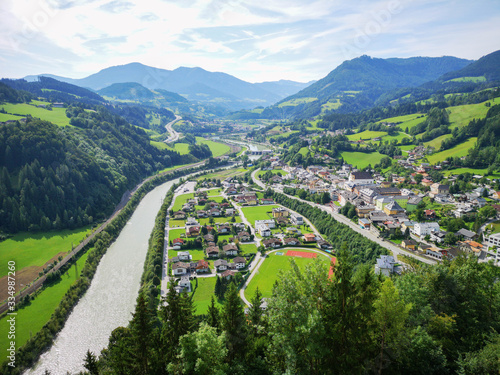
(424, 229)
(386, 265)
(263, 229)
(270, 223)
(297, 219)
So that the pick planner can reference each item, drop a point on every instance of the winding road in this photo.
(174, 136)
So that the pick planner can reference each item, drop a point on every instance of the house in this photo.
(381, 202)
(183, 255)
(228, 274)
(430, 214)
(437, 188)
(263, 229)
(186, 207)
(282, 220)
(393, 208)
(290, 241)
(209, 237)
(309, 237)
(266, 201)
(470, 247)
(436, 253)
(271, 243)
(179, 215)
(215, 212)
(409, 244)
(438, 236)
(177, 243)
(269, 222)
(424, 229)
(466, 234)
(386, 265)
(361, 178)
(230, 211)
(407, 224)
(184, 285)
(202, 266)
(201, 213)
(243, 236)
(180, 268)
(324, 245)
(493, 240)
(193, 231)
(224, 229)
(292, 230)
(212, 252)
(426, 182)
(239, 262)
(364, 223)
(412, 203)
(230, 249)
(280, 211)
(296, 219)
(221, 265)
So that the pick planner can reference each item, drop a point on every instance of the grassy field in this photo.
(257, 212)
(180, 200)
(331, 104)
(468, 79)
(398, 137)
(30, 319)
(159, 145)
(35, 249)
(175, 233)
(461, 115)
(6, 117)
(457, 151)
(181, 148)
(361, 159)
(303, 151)
(406, 147)
(436, 142)
(218, 149)
(274, 171)
(203, 294)
(482, 172)
(269, 270)
(295, 102)
(367, 134)
(248, 248)
(56, 116)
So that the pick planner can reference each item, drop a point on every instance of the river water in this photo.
(111, 297)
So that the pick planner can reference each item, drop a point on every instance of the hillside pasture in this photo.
(56, 115)
(296, 102)
(218, 149)
(362, 159)
(458, 151)
(365, 135)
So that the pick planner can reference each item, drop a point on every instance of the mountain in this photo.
(487, 66)
(193, 83)
(357, 84)
(127, 90)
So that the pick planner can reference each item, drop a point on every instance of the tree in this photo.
(90, 363)
(450, 239)
(141, 333)
(213, 318)
(255, 311)
(202, 352)
(390, 314)
(234, 323)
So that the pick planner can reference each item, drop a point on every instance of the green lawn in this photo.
(159, 145)
(398, 137)
(258, 212)
(468, 79)
(248, 248)
(202, 295)
(367, 134)
(274, 171)
(35, 249)
(175, 233)
(459, 171)
(361, 159)
(214, 192)
(6, 117)
(218, 149)
(331, 104)
(459, 150)
(406, 147)
(180, 200)
(269, 270)
(56, 115)
(30, 319)
(303, 151)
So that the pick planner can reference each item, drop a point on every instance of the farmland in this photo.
(218, 149)
(362, 159)
(457, 151)
(56, 115)
(258, 212)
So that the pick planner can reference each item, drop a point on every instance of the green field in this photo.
(367, 134)
(461, 115)
(361, 159)
(159, 145)
(268, 272)
(295, 102)
(398, 137)
(175, 233)
(459, 150)
(6, 117)
(203, 294)
(180, 200)
(56, 115)
(406, 147)
(258, 212)
(468, 79)
(436, 142)
(274, 171)
(332, 104)
(248, 248)
(482, 172)
(30, 319)
(218, 149)
(35, 249)
(303, 151)
(224, 173)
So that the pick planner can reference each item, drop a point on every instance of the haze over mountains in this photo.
(195, 84)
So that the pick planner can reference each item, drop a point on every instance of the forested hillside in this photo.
(66, 177)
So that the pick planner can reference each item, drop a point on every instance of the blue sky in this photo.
(299, 40)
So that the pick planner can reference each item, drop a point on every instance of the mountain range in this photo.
(194, 84)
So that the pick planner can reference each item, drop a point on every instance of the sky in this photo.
(256, 41)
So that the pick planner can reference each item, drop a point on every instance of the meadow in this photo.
(295, 102)
(258, 212)
(268, 272)
(56, 115)
(202, 295)
(459, 150)
(362, 159)
(365, 135)
(32, 317)
(218, 149)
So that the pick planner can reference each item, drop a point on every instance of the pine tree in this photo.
(218, 288)
(141, 330)
(233, 323)
(91, 363)
(213, 318)
(255, 311)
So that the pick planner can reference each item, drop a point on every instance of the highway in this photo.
(174, 136)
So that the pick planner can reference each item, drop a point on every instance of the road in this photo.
(389, 246)
(174, 136)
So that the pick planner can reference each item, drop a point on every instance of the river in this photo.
(111, 297)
